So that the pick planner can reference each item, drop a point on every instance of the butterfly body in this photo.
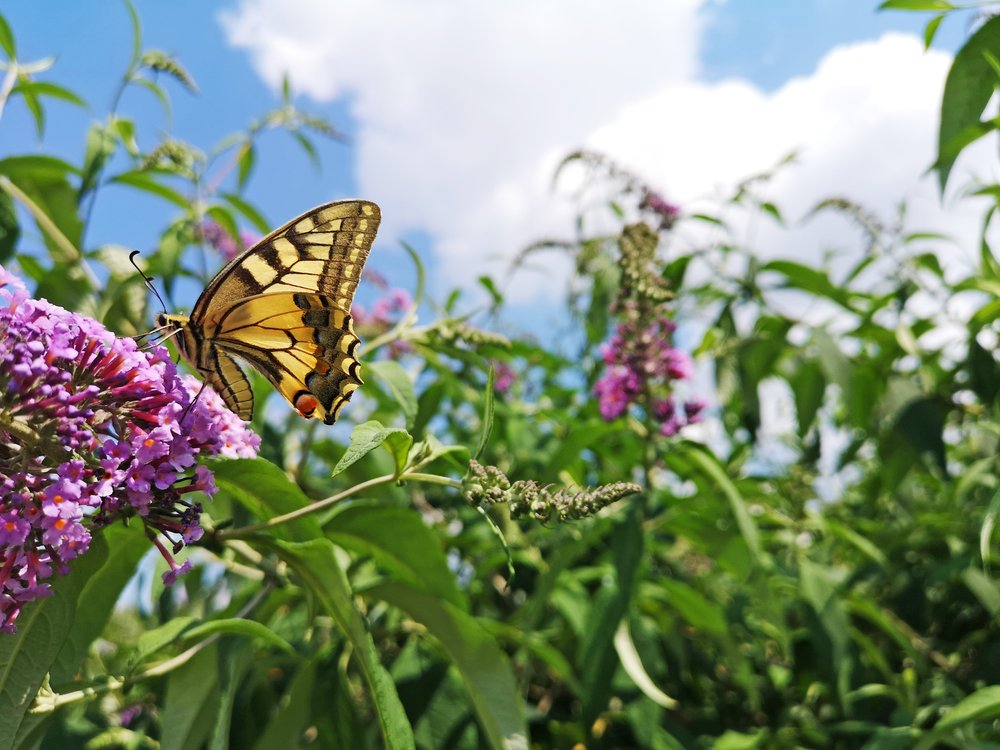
(283, 306)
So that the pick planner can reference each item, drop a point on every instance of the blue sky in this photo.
(444, 135)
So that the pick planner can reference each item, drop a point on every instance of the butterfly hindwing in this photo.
(304, 345)
(230, 382)
(284, 306)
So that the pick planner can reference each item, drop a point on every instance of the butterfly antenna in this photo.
(146, 279)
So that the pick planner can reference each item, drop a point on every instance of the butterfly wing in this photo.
(230, 382)
(302, 343)
(284, 305)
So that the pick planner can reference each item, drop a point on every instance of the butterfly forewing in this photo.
(284, 305)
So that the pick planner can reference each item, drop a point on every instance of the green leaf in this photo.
(144, 180)
(427, 451)
(484, 668)
(711, 468)
(399, 541)
(158, 92)
(862, 543)
(191, 702)
(136, 34)
(238, 626)
(248, 155)
(34, 106)
(595, 657)
(308, 147)
(286, 728)
(224, 218)
(631, 662)
(917, 432)
(820, 587)
(436, 700)
(126, 134)
(101, 144)
(7, 39)
(931, 29)
(367, 437)
(932, 5)
(55, 212)
(418, 293)
(730, 740)
(982, 704)
(808, 385)
(152, 640)
(773, 211)
(490, 286)
(810, 280)
(984, 371)
(36, 167)
(968, 88)
(690, 604)
(235, 657)
(487, 423)
(42, 630)
(44, 88)
(393, 377)
(984, 588)
(248, 211)
(266, 491)
(989, 524)
(315, 562)
(126, 547)
(10, 230)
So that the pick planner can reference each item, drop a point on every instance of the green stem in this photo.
(72, 253)
(7, 86)
(248, 531)
(416, 476)
(18, 429)
(50, 702)
(115, 101)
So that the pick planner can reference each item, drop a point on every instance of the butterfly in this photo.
(284, 307)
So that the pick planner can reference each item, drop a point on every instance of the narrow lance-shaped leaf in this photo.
(317, 567)
(969, 86)
(487, 425)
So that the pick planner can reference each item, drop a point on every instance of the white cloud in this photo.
(463, 109)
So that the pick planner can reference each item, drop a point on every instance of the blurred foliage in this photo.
(830, 584)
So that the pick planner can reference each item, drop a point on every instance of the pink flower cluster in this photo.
(384, 312)
(666, 212)
(641, 366)
(92, 429)
(218, 238)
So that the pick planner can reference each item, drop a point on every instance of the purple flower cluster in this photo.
(641, 367)
(217, 237)
(93, 429)
(504, 376)
(385, 311)
(666, 212)
(384, 314)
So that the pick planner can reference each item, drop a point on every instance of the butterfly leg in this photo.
(196, 396)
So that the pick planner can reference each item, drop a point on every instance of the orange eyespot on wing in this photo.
(306, 404)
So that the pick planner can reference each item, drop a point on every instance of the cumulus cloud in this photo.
(463, 110)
